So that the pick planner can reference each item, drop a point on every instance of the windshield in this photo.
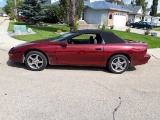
(61, 37)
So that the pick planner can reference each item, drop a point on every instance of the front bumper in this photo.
(17, 57)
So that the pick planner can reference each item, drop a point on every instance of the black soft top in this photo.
(107, 36)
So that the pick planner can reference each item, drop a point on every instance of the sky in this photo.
(2, 3)
(149, 3)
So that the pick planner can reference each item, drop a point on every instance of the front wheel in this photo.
(35, 61)
(118, 64)
(132, 26)
(145, 28)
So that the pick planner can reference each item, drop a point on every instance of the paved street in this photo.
(77, 93)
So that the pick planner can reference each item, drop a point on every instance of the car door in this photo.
(80, 54)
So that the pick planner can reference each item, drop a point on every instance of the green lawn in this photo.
(42, 32)
(157, 28)
(48, 32)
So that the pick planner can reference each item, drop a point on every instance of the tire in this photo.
(35, 61)
(132, 26)
(118, 64)
(145, 28)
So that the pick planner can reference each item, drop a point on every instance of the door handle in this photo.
(98, 49)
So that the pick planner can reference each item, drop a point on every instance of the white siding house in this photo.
(136, 13)
(94, 16)
(156, 21)
(147, 17)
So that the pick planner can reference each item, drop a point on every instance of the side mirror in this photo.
(64, 44)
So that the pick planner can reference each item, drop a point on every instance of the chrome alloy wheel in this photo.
(119, 64)
(35, 61)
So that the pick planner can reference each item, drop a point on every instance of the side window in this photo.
(110, 16)
(86, 39)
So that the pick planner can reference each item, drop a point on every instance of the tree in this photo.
(32, 11)
(142, 3)
(79, 7)
(158, 15)
(72, 8)
(65, 8)
(132, 2)
(10, 6)
(154, 8)
(53, 13)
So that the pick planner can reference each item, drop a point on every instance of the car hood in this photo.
(40, 41)
(34, 42)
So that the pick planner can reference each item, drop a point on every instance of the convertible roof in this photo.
(108, 36)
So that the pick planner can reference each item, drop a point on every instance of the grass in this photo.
(157, 28)
(153, 42)
(48, 32)
(42, 32)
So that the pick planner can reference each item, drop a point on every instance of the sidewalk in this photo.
(6, 42)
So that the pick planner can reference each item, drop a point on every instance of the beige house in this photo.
(102, 12)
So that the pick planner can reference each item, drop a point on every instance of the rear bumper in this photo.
(142, 60)
(146, 58)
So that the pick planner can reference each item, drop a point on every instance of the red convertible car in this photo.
(82, 48)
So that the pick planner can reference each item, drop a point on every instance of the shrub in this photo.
(12, 16)
(112, 27)
(75, 26)
(59, 31)
(147, 32)
(103, 27)
(128, 30)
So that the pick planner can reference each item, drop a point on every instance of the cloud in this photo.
(1, 0)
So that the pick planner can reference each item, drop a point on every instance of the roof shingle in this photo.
(102, 5)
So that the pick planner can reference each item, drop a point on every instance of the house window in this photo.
(110, 16)
(159, 19)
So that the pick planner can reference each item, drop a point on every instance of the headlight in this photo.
(10, 53)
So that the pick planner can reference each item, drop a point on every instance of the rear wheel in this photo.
(118, 64)
(35, 61)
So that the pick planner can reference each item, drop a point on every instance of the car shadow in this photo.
(131, 68)
(16, 64)
(87, 68)
(66, 67)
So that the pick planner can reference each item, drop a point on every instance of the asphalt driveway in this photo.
(78, 93)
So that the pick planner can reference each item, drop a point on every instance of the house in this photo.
(102, 12)
(2, 13)
(136, 13)
(155, 21)
(147, 17)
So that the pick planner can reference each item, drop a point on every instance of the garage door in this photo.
(119, 19)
